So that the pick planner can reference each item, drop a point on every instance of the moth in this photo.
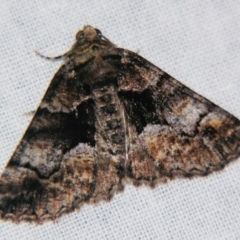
(110, 117)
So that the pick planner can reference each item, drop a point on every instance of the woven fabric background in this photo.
(197, 42)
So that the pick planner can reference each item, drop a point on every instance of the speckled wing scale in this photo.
(110, 117)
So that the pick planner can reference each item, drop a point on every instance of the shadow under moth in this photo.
(110, 117)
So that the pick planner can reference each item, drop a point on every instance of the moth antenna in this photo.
(49, 58)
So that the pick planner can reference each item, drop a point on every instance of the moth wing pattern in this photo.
(174, 131)
(42, 179)
(109, 116)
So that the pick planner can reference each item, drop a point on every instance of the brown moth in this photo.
(109, 117)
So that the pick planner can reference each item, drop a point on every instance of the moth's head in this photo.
(89, 34)
(90, 37)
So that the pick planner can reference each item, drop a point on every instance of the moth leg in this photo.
(30, 113)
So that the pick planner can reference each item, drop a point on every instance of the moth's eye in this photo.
(79, 35)
(99, 33)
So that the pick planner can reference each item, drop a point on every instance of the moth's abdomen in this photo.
(110, 124)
